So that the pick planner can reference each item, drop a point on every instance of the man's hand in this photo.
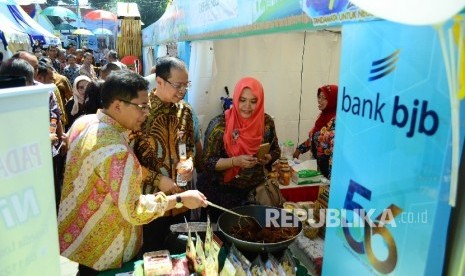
(193, 199)
(64, 146)
(53, 137)
(168, 186)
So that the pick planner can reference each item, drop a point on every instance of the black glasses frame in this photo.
(180, 88)
(142, 107)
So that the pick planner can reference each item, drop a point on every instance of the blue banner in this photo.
(388, 209)
(185, 19)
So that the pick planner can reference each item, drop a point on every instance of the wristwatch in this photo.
(179, 203)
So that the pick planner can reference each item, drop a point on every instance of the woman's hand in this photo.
(266, 159)
(296, 153)
(245, 161)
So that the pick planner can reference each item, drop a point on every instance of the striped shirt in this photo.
(102, 208)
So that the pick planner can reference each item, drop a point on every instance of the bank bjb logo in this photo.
(370, 229)
(413, 115)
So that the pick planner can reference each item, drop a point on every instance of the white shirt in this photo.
(152, 79)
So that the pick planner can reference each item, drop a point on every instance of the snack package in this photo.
(236, 260)
(208, 238)
(211, 266)
(215, 248)
(272, 267)
(211, 256)
(190, 251)
(288, 264)
(258, 268)
(199, 264)
(180, 267)
(245, 263)
(157, 263)
(228, 269)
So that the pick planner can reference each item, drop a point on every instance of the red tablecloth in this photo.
(296, 193)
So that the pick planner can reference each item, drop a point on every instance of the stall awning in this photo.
(19, 18)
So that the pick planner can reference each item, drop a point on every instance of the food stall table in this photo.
(136, 268)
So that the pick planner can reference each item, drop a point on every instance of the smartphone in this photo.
(264, 149)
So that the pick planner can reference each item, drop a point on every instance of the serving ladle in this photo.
(253, 222)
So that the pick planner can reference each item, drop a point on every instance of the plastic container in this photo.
(286, 176)
(288, 149)
(310, 231)
(157, 263)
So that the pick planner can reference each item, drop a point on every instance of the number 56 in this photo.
(372, 228)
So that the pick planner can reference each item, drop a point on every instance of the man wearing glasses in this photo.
(102, 206)
(168, 128)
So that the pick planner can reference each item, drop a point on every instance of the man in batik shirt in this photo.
(168, 125)
(102, 206)
(71, 70)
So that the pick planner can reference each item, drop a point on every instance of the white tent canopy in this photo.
(15, 38)
(16, 19)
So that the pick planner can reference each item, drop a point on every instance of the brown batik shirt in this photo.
(156, 145)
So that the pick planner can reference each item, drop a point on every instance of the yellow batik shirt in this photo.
(102, 207)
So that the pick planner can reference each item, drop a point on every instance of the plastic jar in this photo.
(286, 175)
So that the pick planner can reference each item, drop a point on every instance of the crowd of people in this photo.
(121, 149)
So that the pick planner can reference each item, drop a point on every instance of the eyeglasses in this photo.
(179, 87)
(142, 107)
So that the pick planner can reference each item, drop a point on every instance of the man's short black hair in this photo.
(165, 64)
(124, 85)
(18, 67)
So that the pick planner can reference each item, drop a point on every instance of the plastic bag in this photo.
(288, 264)
(273, 268)
(236, 263)
(199, 264)
(258, 268)
(245, 263)
(190, 251)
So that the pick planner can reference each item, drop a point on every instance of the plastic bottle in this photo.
(180, 181)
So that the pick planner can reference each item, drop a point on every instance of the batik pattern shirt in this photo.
(321, 144)
(156, 145)
(214, 150)
(72, 72)
(101, 208)
(55, 112)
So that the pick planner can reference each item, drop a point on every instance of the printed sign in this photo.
(28, 224)
(388, 207)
